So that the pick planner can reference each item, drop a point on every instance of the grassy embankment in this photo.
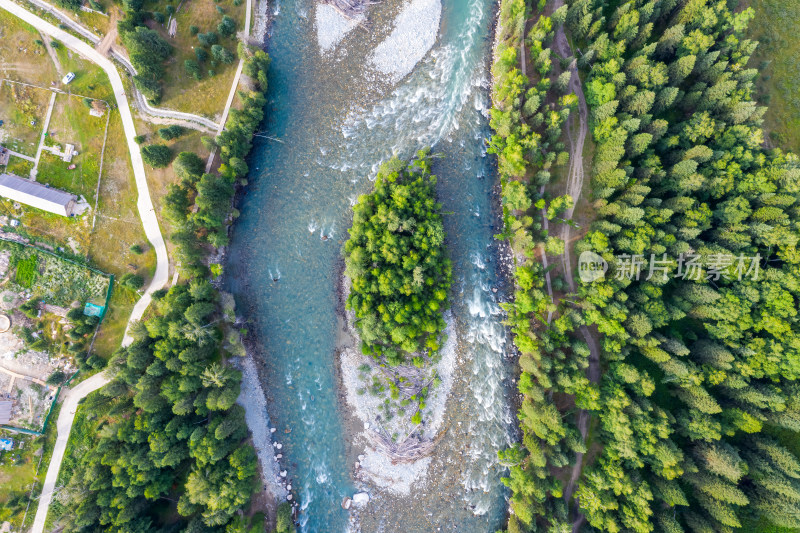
(778, 61)
(22, 472)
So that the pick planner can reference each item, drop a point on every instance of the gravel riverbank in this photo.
(414, 34)
(332, 26)
(254, 401)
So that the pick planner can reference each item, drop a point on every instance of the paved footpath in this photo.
(149, 222)
(64, 425)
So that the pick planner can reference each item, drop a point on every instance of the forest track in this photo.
(574, 188)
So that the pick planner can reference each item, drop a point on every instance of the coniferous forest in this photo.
(395, 259)
(696, 414)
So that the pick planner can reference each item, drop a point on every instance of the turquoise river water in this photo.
(335, 121)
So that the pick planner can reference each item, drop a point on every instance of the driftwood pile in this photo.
(415, 379)
(352, 9)
(411, 449)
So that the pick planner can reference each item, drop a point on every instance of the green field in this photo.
(778, 61)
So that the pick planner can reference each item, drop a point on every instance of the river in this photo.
(331, 121)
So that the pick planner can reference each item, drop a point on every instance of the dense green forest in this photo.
(167, 450)
(698, 407)
(396, 261)
(528, 118)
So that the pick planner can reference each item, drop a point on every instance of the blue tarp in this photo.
(6, 444)
(93, 309)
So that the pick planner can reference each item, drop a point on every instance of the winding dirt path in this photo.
(575, 180)
(52, 54)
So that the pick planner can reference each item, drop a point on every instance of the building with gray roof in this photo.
(5, 411)
(35, 194)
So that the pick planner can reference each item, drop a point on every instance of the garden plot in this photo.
(53, 280)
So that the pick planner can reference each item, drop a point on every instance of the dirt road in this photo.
(575, 181)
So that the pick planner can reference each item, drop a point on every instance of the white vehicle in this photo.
(68, 78)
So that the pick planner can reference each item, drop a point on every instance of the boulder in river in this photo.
(360, 498)
(346, 503)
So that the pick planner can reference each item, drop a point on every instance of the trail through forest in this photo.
(575, 179)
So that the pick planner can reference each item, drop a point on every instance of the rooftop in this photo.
(5, 411)
(35, 194)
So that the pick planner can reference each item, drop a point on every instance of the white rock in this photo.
(279, 456)
(360, 498)
(361, 457)
(279, 445)
(288, 487)
(273, 430)
(288, 497)
(366, 425)
(346, 503)
(283, 473)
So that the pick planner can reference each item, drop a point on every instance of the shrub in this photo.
(132, 281)
(74, 5)
(283, 520)
(75, 315)
(207, 39)
(56, 378)
(137, 249)
(159, 17)
(188, 166)
(157, 155)
(227, 26)
(222, 54)
(149, 88)
(30, 308)
(139, 139)
(194, 30)
(201, 54)
(171, 132)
